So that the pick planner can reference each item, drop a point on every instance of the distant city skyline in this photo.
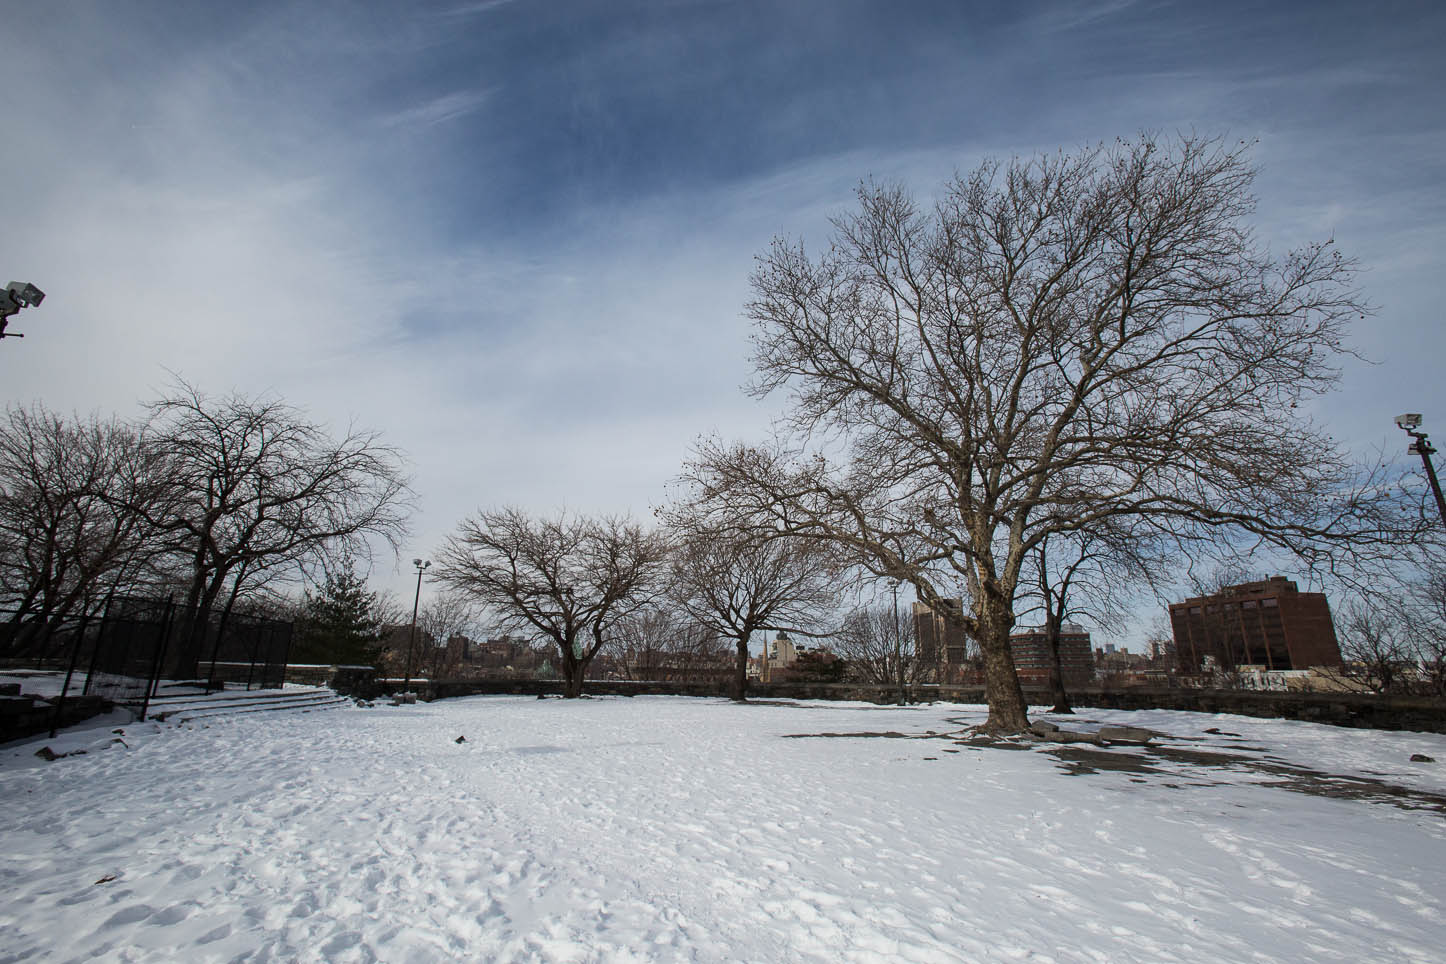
(515, 237)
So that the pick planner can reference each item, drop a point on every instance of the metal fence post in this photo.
(69, 673)
(285, 651)
(251, 669)
(216, 648)
(100, 640)
(155, 679)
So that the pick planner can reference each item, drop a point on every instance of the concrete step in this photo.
(222, 697)
(182, 709)
(277, 707)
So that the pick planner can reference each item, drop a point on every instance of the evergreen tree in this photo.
(340, 622)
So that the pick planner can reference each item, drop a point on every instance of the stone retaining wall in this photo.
(22, 717)
(1338, 709)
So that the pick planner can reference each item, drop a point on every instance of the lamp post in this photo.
(412, 639)
(1421, 445)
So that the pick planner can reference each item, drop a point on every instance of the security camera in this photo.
(17, 295)
(1408, 421)
(25, 294)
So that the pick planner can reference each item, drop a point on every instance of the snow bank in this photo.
(665, 829)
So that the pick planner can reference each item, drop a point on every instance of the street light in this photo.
(17, 295)
(412, 639)
(1421, 446)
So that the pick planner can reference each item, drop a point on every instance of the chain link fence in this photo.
(136, 645)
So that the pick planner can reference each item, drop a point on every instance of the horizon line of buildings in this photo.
(1263, 627)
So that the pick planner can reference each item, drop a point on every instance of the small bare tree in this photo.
(700, 655)
(640, 642)
(736, 583)
(1426, 622)
(569, 581)
(1055, 341)
(445, 615)
(661, 643)
(879, 645)
(1089, 575)
(1376, 646)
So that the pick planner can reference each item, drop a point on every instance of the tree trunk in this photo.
(574, 668)
(192, 644)
(22, 630)
(221, 629)
(184, 641)
(739, 690)
(1056, 667)
(26, 602)
(1008, 712)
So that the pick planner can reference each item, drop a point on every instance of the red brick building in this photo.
(1269, 623)
(1032, 658)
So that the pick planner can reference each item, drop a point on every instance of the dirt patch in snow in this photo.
(1181, 766)
(1202, 767)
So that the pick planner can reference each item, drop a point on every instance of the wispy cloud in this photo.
(439, 110)
(1069, 16)
(473, 9)
(532, 281)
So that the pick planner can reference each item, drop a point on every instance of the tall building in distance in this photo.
(940, 642)
(779, 654)
(784, 653)
(1269, 623)
(1033, 659)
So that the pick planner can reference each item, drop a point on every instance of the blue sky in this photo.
(515, 235)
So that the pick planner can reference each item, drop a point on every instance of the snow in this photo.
(43, 682)
(48, 683)
(667, 829)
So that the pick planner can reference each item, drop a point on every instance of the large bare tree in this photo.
(568, 580)
(737, 583)
(1054, 341)
(73, 496)
(254, 485)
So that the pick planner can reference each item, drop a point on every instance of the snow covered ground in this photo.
(43, 682)
(670, 829)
